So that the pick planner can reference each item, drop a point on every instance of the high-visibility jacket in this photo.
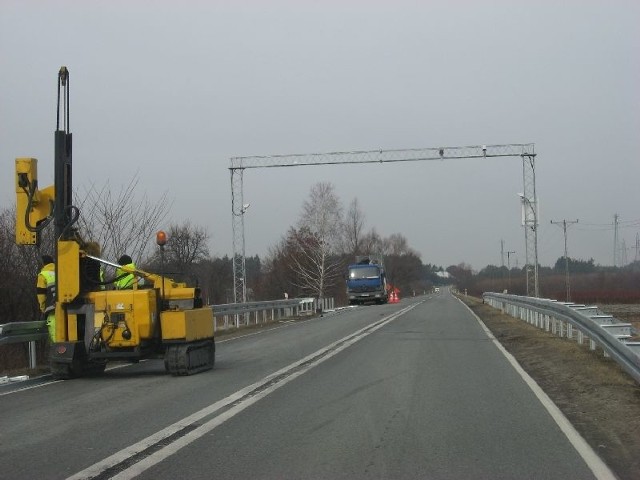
(128, 279)
(46, 288)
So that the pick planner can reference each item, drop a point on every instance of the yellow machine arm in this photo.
(170, 290)
(34, 208)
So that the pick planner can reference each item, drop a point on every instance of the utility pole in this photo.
(502, 252)
(509, 268)
(623, 253)
(564, 224)
(615, 240)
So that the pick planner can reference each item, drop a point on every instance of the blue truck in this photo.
(367, 281)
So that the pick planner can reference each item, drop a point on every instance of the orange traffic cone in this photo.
(394, 297)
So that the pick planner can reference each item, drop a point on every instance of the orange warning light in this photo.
(161, 238)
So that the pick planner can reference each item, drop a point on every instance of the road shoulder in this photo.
(600, 400)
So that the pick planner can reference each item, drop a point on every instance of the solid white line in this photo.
(52, 382)
(600, 469)
(184, 440)
(285, 325)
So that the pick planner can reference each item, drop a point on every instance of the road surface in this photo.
(411, 390)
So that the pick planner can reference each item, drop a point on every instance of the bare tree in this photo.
(322, 212)
(402, 263)
(315, 241)
(186, 246)
(215, 279)
(352, 228)
(372, 242)
(278, 276)
(397, 244)
(315, 270)
(122, 222)
(19, 266)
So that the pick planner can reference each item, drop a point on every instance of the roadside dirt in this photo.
(597, 397)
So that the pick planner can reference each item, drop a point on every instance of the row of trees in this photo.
(309, 260)
(588, 282)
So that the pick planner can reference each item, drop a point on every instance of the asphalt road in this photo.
(412, 390)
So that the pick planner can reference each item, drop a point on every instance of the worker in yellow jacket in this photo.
(46, 293)
(125, 279)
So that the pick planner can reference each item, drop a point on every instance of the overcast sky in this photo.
(171, 90)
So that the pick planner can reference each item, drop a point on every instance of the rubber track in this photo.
(190, 358)
(67, 371)
(61, 371)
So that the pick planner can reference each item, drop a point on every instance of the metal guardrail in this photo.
(262, 312)
(238, 308)
(612, 336)
(25, 332)
(18, 332)
(240, 313)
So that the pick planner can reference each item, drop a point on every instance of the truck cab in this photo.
(367, 282)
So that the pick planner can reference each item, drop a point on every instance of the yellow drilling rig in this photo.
(94, 322)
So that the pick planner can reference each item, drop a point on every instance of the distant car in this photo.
(437, 290)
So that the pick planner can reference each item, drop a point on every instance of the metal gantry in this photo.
(530, 222)
(239, 164)
(237, 212)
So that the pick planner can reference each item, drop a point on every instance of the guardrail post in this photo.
(561, 328)
(32, 355)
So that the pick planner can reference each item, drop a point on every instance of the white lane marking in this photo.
(30, 387)
(599, 469)
(52, 382)
(237, 402)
